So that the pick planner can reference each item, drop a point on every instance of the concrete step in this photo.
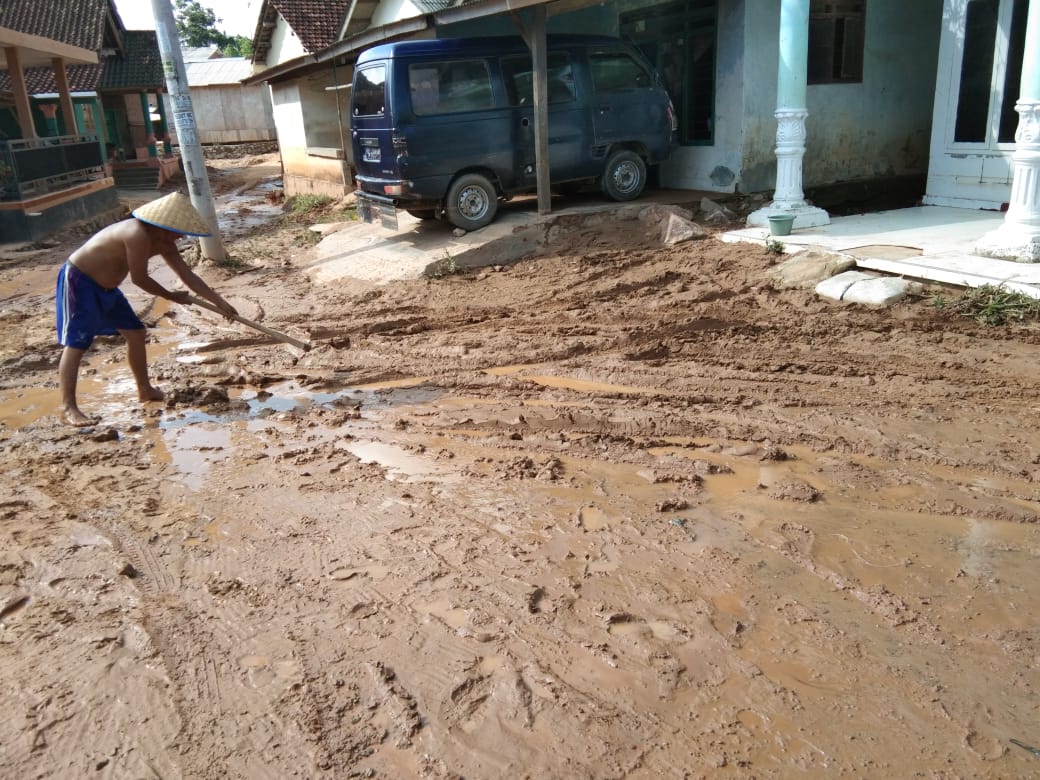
(137, 178)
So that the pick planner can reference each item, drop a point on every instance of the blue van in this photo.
(444, 128)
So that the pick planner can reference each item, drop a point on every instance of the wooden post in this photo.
(68, 111)
(21, 95)
(539, 60)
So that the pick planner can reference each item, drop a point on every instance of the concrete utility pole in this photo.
(184, 120)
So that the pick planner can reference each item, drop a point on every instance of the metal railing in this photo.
(30, 167)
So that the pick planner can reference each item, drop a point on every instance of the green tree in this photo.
(238, 46)
(197, 26)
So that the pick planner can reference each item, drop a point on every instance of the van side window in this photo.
(519, 79)
(370, 91)
(449, 87)
(613, 71)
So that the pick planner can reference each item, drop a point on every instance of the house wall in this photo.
(307, 170)
(393, 11)
(229, 114)
(879, 128)
(285, 45)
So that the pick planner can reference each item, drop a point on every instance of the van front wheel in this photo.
(472, 202)
(625, 176)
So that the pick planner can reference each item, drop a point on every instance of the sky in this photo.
(237, 17)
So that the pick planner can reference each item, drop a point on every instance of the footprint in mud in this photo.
(503, 694)
(467, 699)
(984, 746)
(262, 670)
(591, 518)
(799, 540)
(625, 624)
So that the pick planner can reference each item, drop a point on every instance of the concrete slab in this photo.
(932, 243)
(375, 254)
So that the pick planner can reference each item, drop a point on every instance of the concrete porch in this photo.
(931, 243)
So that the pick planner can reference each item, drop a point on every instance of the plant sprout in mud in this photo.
(992, 305)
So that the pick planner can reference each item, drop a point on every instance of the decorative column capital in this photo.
(790, 128)
(1028, 132)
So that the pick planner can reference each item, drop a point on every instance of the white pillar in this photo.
(791, 113)
(1019, 237)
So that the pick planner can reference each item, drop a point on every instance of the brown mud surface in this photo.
(615, 510)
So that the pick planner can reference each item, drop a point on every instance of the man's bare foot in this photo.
(150, 393)
(73, 416)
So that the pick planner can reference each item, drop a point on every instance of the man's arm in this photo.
(138, 251)
(194, 283)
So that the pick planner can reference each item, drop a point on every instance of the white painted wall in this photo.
(285, 45)
(874, 129)
(393, 11)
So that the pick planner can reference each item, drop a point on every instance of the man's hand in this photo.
(229, 311)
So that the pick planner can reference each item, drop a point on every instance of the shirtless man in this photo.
(90, 303)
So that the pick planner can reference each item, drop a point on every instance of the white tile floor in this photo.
(934, 243)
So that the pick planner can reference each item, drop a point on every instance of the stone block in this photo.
(807, 269)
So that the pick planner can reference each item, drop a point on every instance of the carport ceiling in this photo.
(34, 51)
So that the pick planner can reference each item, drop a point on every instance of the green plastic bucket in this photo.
(780, 224)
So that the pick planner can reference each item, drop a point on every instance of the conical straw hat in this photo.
(174, 212)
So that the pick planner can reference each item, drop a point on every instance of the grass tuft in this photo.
(446, 266)
(992, 305)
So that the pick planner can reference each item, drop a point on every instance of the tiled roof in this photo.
(140, 69)
(316, 22)
(76, 22)
(82, 78)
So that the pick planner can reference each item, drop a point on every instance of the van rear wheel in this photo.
(472, 202)
(625, 176)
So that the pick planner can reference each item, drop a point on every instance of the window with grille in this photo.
(836, 32)
(679, 40)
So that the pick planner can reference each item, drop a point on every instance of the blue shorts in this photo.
(86, 309)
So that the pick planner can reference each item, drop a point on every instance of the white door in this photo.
(974, 120)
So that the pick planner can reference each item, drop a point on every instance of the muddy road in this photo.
(615, 510)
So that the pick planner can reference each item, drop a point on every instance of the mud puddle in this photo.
(241, 212)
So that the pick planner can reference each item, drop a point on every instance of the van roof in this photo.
(486, 45)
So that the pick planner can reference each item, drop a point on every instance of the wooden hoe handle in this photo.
(254, 325)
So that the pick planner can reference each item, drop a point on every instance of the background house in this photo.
(872, 80)
(309, 107)
(111, 99)
(226, 111)
(916, 98)
(45, 184)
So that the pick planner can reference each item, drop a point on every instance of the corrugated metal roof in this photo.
(200, 53)
(224, 70)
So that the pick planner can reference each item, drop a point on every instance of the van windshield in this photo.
(449, 87)
(369, 92)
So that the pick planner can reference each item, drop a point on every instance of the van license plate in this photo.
(371, 155)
